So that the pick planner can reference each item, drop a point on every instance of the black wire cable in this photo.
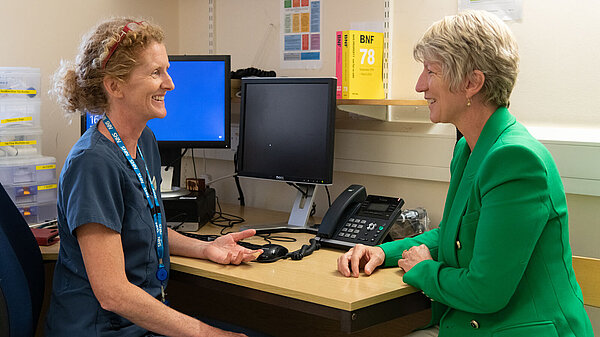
(237, 182)
(304, 193)
(194, 163)
(178, 158)
(328, 196)
(313, 210)
(268, 237)
(220, 217)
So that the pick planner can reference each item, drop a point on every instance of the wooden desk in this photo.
(311, 286)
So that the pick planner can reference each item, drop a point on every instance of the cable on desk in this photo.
(268, 237)
(305, 250)
(230, 219)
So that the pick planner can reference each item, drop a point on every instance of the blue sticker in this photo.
(32, 95)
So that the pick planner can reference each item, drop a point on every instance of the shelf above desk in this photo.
(390, 110)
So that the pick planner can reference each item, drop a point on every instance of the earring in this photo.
(468, 102)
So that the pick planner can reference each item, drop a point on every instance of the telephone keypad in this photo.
(362, 230)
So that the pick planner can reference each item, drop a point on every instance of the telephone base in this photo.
(281, 228)
(345, 245)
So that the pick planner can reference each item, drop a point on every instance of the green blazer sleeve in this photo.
(513, 194)
(393, 250)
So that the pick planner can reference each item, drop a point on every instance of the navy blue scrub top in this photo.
(98, 185)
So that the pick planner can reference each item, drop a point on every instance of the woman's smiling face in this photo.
(445, 106)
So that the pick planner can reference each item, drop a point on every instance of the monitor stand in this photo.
(298, 221)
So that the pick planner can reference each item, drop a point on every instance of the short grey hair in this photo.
(473, 40)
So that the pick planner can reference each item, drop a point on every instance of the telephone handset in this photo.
(355, 217)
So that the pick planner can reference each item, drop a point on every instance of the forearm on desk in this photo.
(185, 246)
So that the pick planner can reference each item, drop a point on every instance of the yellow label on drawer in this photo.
(17, 91)
(19, 142)
(45, 167)
(46, 187)
(18, 119)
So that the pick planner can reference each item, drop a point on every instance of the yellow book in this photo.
(365, 65)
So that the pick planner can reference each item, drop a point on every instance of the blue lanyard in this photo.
(161, 273)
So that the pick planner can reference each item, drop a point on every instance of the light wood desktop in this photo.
(312, 286)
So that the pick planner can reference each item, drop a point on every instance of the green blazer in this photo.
(502, 260)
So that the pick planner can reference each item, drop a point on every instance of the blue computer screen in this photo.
(198, 111)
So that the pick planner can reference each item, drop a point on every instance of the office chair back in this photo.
(587, 272)
(21, 273)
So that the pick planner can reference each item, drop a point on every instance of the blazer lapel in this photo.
(496, 124)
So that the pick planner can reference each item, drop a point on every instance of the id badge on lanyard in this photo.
(161, 273)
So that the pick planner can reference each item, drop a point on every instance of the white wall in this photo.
(558, 42)
(40, 33)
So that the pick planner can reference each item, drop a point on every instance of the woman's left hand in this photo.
(225, 250)
(414, 255)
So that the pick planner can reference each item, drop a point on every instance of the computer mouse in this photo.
(272, 253)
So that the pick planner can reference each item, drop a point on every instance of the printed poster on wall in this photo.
(507, 10)
(301, 34)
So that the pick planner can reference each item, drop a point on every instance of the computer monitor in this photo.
(287, 131)
(198, 109)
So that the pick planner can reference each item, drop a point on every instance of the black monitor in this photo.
(287, 131)
(198, 109)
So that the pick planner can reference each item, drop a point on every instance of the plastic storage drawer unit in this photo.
(19, 113)
(20, 82)
(38, 212)
(20, 143)
(28, 193)
(27, 170)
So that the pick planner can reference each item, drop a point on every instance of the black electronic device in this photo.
(287, 131)
(271, 253)
(355, 217)
(190, 212)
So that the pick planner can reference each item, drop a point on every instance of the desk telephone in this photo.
(356, 217)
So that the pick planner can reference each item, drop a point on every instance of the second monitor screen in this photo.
(287, 130)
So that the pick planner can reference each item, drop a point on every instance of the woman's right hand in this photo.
(360, 256)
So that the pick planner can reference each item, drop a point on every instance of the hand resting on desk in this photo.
(358, 257)
(223, 250)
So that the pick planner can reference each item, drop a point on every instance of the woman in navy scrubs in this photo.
(113, 263)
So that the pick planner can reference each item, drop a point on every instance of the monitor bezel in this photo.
(331, 81)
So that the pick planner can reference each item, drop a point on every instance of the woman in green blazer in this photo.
(500, 262)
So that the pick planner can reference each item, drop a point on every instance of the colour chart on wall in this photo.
(301, 34)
